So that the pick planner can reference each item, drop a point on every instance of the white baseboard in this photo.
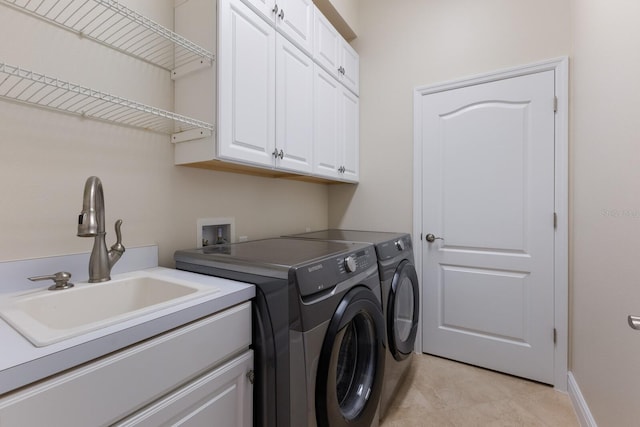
(579, 404)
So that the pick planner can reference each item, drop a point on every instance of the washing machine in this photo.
(318, 327)
(400, 298)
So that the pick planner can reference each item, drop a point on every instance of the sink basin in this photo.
(46, 317)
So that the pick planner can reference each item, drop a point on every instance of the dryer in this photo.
(400, 298)
(318, 327)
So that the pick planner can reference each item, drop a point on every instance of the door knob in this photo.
(431, 238)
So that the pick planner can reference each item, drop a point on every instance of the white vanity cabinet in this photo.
(221, 397)
(336, 129)
(334, 54)
(201, 371)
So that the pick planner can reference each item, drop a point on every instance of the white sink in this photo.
(45, 317)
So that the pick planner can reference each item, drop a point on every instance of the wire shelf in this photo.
(112, 24)
(25, 86)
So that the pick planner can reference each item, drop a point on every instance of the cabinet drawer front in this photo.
(221, 397)
(114, 386)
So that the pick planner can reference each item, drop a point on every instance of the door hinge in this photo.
(555, 335)
(555, 104)
(555, 221)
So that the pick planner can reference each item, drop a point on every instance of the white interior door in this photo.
(488, 193)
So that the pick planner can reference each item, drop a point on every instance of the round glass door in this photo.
(351, 365)
(403, 311)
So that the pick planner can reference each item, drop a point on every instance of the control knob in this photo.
(400, 245)
(350, 264)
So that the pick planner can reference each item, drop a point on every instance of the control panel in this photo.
(325, 274)
(394, 247)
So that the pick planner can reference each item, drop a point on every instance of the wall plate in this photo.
(210, 231)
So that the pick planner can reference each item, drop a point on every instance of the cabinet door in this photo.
(295, 21)
(325, 123)
(349, 135)
(246, 85)
(326, 44)
(222, 397)
(294, 107)
(266, 8)
(350, 63)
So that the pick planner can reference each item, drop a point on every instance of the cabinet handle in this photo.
(281, 15)
(275, 153)
(275, 9)
(281, 154)
(251, 375)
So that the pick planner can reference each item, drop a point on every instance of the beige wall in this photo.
(420, 42)
(46, 157)
(606, 207)
(424, 42)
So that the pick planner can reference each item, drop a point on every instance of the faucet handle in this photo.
(117, 246)
(60, 278)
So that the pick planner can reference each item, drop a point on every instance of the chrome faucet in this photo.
(91, 224)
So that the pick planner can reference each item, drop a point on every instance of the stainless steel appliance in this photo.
(318, 327)
(400, 298)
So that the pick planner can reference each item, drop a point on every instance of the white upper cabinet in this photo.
(276, 107)
(349, 135)
(334, 54)
(266, 8)
(336, 129)
(326, 121)
(350, 67)
(293, 18)
(294, 107)
(246, 88)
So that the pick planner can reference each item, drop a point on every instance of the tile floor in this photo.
(442, 393)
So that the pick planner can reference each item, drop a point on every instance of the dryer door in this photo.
(403, 310)
(351, 365)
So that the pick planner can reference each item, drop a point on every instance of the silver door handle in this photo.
(431, 238)
(634, 322)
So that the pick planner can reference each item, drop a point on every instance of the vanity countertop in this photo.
(22, 363)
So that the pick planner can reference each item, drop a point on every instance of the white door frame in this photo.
(561, 242)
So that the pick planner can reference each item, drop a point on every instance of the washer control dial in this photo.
(350, 264)
(400, 245)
